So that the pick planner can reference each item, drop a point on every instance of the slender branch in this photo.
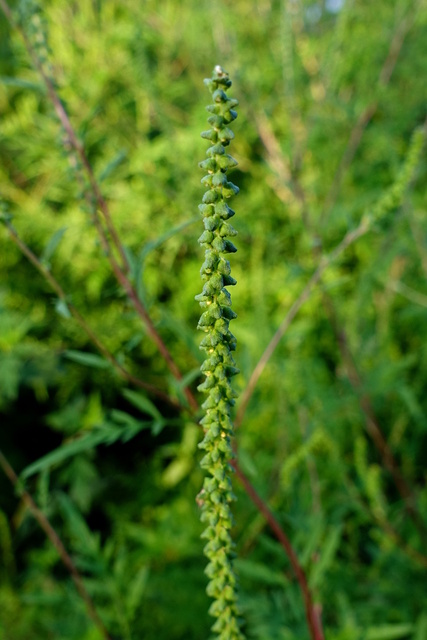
(391, 199)
(82, 322)
(372, 424)
(312, 613)
(325, 263)
(72, 138)
(368, 113)
(383, 522)
(290, 186)
(401, 544)
(57, 543)
(151, 330)
(7, 12)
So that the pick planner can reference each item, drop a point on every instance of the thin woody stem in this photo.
(368, 113)
(325, 263)
(82, 322)
(372, 424)
(312, 614)
(57, 543)
(72, 138)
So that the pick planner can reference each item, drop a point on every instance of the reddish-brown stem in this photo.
(372, 425)
(325, 262)
(57, 543)
(152, 332)
(84, 325)
(72, 138)
(118, 272)
(312, 612)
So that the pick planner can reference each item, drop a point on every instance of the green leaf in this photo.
(62, 309)
(130, 426)
(136, 591)
(261, 573)
(113, 164)
(176, 471)
(52, 245)
(157, 426)
(85, 541)
(105, 434)
(20, 83)
(88, 359)
(142, 403)
(329, 549)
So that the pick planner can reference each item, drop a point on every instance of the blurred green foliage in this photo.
(117, 472)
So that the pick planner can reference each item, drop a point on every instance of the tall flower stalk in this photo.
(219, 366)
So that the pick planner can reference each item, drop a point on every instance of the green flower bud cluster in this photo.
(393, 197)
(219, 366)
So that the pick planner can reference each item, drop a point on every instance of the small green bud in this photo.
(211, 196)
(216, 150)
(206, 237)
(210, 135)
(229, 190)
(219, 96)
(226, 162)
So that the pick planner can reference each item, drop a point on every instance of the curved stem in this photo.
(57, 543)
(368, 113)
(311, 611)
(137, 382)
(72, 138)
(326, 262)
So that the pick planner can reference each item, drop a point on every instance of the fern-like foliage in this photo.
(219, 366)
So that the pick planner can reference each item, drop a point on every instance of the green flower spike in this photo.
(219, 366)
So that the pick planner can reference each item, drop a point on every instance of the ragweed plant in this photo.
(219, 366)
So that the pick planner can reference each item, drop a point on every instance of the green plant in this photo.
(219, 365)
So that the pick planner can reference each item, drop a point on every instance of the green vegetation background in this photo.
(123, 499)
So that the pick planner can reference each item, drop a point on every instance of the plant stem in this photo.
(57, 543)
(54, 284)
(368, 113)
(72, 138)
(311, 610)
(325, 263)
(372, 424)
